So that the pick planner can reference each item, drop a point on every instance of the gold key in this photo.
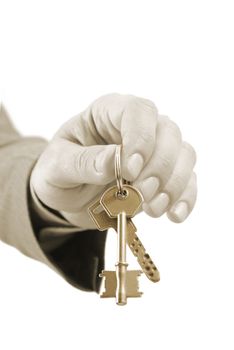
(103, 221)
(121, 205)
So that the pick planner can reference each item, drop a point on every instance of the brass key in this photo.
(121, 205)
(104, 221)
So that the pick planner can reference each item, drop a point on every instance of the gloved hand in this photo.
(78, 164)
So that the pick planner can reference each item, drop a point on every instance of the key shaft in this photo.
(110, 284)
(121, 265)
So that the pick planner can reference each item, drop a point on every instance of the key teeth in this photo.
(110, 284)
(153, 276)
(143, 258)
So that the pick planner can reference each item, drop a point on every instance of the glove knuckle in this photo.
(191, 151)
(173, 127)
(132, 102)
(164, 162)
(146, 137)
(81, 159)
(52, 160)
(178, 183)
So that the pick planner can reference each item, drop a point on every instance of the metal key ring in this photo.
(122, 193)
(118, 171)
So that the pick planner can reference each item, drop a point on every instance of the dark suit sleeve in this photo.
(79, 255)
(76, 255)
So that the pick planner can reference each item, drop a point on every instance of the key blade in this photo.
(143, 258)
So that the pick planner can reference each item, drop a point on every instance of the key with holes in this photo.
(103, 221)
(122, 205)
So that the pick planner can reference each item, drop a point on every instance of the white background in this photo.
(55, 58)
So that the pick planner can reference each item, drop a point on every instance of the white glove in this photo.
(78, 164)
